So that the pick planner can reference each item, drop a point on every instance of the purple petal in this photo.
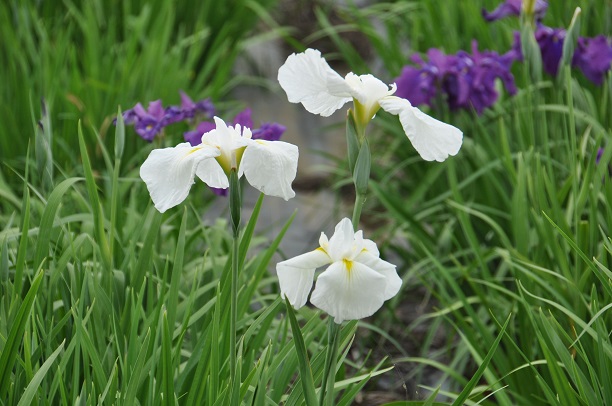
(156, 110)
(269, 132)
(130, 116)
(507, 8)
(220, 192)
(186, 102)
(140, 111)
(541, 7)
(551, 46)
(195, 137)
(190, 109)
(244, 118)
(206, 107)
(513, 8)
(593, 57)
(173, 115)
(515, 53)
(416, 85)
(148, 129)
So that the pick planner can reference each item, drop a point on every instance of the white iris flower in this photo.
(308, 79)
(269, 166)
(354, 286)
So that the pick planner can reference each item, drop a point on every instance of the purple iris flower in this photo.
(594, 57)
(487, 67)
(467, 80)
(194, 137)
(457, 80)
(513, 8)
(147, 123)
(244, 118)
(550, 41)
(190, 109)
(269, 132)
(151, 121)
(420, 84)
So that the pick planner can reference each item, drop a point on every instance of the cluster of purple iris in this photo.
(593, 56)
(468, 80)
(151, 121)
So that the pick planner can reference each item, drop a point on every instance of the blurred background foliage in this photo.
(86, 58)
(517, 225)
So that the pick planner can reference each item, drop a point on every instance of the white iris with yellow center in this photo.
(269, 166)
(355, 284)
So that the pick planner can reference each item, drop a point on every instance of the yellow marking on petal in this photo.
(238, 155)
(348, 264)
(191, 151)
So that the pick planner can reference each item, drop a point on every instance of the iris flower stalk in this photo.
(235, 203)
(354, 285)
(308, 79)
(223, 155)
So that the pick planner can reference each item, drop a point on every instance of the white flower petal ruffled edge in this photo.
(432, 139)
(270, 167)
(170, 172)
(354, 286)
(308, 79)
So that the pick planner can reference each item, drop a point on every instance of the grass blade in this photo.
(11, 347)
(310, 396)
(32, 387)
(483, 366)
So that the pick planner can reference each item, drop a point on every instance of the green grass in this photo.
(85, 58)
(103, 300)
(140, 317)
(516, 225)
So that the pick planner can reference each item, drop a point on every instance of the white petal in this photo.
(341, 244)
(324, 242)
(227, 140)
(308, 79)
(369, 90)
(386, 269)
(270, 166)
(170, 172)
(365, 244)
(433, 139)
(349, 294)
(295, 275)
(211, 173)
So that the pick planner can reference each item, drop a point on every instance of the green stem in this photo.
(361, 177)
(234, 306)
(329, 373)
(235, 205)
(359, 201)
